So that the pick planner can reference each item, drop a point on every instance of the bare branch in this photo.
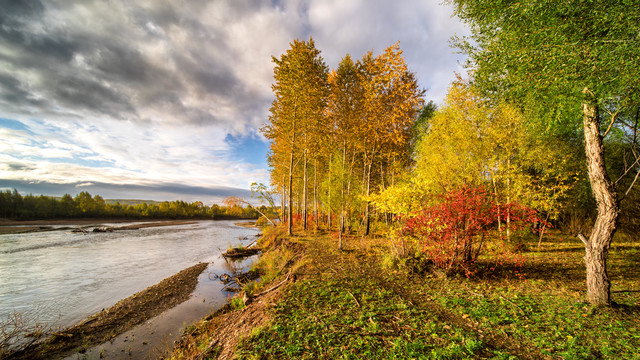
(613, 119)
(632, 183)
(629, 168)
(583, 239)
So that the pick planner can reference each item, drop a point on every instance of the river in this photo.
(56, 278)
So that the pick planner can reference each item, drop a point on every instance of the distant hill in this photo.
(132, 202)
(159, 192)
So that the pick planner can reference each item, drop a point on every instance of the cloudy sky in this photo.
(163, 99)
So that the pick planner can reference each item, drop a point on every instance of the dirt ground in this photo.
(119, 318)
(232, 326)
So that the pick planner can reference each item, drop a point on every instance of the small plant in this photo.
(16, 334)
(237, 303)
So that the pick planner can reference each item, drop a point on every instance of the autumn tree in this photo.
(392, 102)
(572, 60)
(344, 112)
(472, 142)
(300, 88)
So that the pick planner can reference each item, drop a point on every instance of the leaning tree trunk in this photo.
(597, 245)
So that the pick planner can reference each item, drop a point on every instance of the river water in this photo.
(56, 278)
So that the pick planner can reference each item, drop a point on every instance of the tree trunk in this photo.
(342, 198)
(304, 193)
(290, 217)
(283, 199)
(315, 193)
(597, 245)
(329, 191)
(367, 225)
(495, 192)
(383, 188)
(508, 219)
(468, 243)
(341, 227)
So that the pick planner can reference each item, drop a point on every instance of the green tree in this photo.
(572, 60)
(85, 204)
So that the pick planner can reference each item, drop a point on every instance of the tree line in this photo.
(13, 205)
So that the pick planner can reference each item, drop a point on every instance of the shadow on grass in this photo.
(560, 250)
(490, 271)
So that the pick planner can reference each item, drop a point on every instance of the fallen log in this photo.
(235, 253)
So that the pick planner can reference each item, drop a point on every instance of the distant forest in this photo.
(13, 205)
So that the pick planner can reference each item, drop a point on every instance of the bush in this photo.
(453, 232)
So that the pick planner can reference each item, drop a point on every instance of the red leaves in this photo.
(452, 233)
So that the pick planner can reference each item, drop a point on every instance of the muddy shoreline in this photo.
(30, 226)
(119, 318)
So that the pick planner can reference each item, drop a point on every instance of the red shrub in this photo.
(452, 233)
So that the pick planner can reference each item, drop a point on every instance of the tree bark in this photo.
(597, 245)
(329, 192)
(304, 193)
(290, 216)
(367, 225)
(283, 200)
(315, 193)
(508, 219)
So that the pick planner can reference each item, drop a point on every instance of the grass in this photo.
(350, 305)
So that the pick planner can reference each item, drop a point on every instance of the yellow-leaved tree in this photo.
(471, 142)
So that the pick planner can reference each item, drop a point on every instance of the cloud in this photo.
(84, 184)
(159, 192)
(157, 91)
(423, 29)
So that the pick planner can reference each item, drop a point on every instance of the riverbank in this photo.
(358, 303)
(119, 318)
(29, 226)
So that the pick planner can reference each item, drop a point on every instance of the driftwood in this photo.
(274, 287)
(235, 253)
(235, 281)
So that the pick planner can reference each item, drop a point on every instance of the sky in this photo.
(163, 99)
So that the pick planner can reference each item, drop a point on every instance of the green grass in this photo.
(349, 306)
(548, 306)
(338, 318)
(359, 304)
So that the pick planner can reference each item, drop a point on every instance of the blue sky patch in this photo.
(249, 149)
(13, 124)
